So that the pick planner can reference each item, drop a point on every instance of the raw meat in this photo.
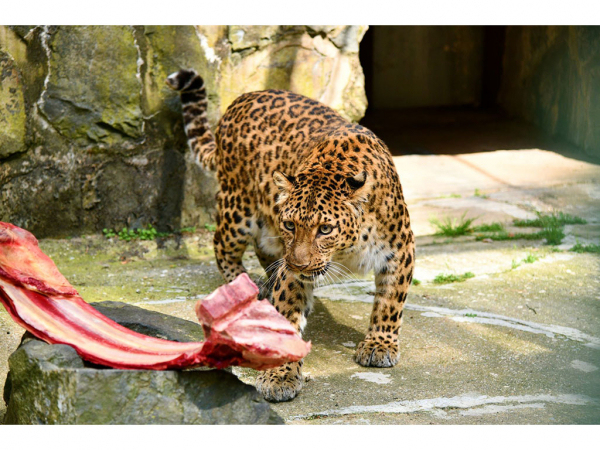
(239, 329)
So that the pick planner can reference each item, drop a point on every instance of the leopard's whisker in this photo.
(345, 271)
(274, 264)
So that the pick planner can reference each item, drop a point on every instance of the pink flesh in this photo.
(240, 330)
(22, 262)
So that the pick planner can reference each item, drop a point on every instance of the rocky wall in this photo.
(551, 77)
(92, 137)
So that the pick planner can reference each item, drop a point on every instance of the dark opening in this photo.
(435, 89)
(493, 52)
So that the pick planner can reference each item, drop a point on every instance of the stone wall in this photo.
(551, 77)
(92, 137)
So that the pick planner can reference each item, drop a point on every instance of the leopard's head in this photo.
(319, 214)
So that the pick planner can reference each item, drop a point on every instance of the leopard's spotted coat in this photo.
(311, 191)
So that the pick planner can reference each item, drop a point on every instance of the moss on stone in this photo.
(12, 108)
(93, 93)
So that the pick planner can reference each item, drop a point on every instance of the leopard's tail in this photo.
(201, 141)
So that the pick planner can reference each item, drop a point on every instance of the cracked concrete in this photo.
(517, 344)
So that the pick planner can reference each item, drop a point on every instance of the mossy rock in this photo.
(93, 93)
(12, 108)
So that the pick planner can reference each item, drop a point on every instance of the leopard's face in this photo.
(318, 217)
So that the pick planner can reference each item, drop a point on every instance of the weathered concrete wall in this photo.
(551, 77)
(92, 137)
(421, 66)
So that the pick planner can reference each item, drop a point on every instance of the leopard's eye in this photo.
(325, 229)
(289, 225)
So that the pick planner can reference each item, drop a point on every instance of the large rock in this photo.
(319, 62)
(50, 384)
(94, 138)
(151, 323)
(93, 93)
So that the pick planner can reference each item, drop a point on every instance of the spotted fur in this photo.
(315, 195)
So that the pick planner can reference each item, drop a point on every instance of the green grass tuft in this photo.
(210, 227)
(489, 227)
(551, 224)
(416, 282)
(553, 235)
(554, 220)
(445, 279)
(506, 236)
(591, 248)
(480, 194)
(453, 227)
(530, 259)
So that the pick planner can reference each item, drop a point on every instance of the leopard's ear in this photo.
(357, 181)
(360, 186)
(284, 183)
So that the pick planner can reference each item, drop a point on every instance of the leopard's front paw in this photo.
(280, 384)
(377, 351)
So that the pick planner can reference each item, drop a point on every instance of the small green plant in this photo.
(210, 227)
(506, 236)
(489, 227)
(580, 248)
(144, 234)
(451, 278)
(147, 234)
(108, 233)
(471, 315)
(530, 259)
(553, 234)
(554, 220)
(416, 282)
(188, 230)
(127, 235)
(551, 224)
(450, 196)
(450, 227)
(480, 194)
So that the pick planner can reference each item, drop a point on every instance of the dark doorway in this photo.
(434, 90)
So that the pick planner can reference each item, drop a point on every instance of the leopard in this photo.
(312, 193)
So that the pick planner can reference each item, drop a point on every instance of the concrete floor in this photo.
(517, 344)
